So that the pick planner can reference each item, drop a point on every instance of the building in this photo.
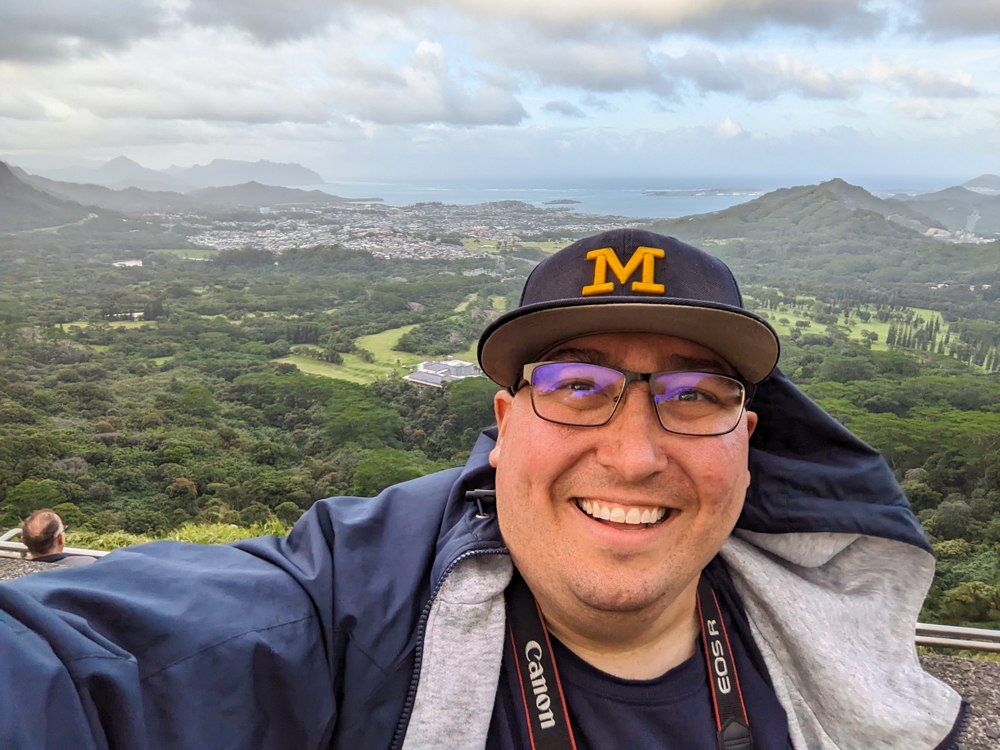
(436, 374)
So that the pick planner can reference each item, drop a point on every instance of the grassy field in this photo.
(341, 372)
(359, 371)
(793, 315)
(464, 304)
(380, 344)
(114, 324)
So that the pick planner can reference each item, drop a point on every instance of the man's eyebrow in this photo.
(574, 354)
(678, 362)
(681, 362)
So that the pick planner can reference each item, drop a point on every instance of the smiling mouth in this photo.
(625, 517)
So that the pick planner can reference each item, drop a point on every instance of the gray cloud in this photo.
(593, 101)
(566, 109)
(951, 18)
(55, 29)
(712, 18)
(266, 20)
(622, 63)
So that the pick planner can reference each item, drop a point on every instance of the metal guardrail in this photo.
(18, 551)
(950, 636)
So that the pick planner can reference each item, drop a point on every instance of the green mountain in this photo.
(128, 200)
(832, 214)
(23, 207)
(988, 181)
(255, 194)
(831, 233)
(961, 209)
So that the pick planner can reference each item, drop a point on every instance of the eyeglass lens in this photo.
(689, 403)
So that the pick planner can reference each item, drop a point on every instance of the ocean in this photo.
(631, 202)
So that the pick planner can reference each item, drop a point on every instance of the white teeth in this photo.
(618, 514)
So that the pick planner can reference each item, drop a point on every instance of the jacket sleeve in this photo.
(299, 642)
(164, 645)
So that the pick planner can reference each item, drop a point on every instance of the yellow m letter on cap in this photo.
(605, 258)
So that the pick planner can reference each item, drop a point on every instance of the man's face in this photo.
(546, 472)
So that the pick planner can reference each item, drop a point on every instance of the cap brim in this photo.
(746, 342)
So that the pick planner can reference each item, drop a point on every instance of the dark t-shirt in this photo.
(671, 712)
(65, 560)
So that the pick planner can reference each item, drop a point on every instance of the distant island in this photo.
(713, 191)
(561, 202)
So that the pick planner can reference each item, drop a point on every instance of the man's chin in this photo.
(617, 599)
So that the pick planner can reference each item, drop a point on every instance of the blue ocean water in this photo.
(631, 202)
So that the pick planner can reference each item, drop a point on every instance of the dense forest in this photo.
(241, 388)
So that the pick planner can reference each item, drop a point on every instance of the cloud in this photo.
(713, 18)
(729, 129)
(266, 20)
(920, 109)
(18, 105)
(760, 78)
(922, 82)
(566, 109)
(951, 18)
(595, 102)
(55, 29)
(853, 113)
(621, 63)
(328, 81)
(425, 92)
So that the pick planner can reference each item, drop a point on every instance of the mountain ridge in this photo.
(22, 207)
(121, 172)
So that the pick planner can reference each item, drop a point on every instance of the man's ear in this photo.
(751, 423)
(502, 403)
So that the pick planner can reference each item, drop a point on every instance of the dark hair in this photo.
(40, 530)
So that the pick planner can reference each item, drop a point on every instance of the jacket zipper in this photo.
(411, 693)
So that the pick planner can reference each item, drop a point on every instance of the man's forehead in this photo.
(612, 350)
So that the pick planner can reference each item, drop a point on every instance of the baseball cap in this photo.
(629, 280)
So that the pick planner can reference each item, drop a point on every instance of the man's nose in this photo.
(634, 444)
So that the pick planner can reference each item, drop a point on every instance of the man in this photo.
(44, 535)
(603, 601)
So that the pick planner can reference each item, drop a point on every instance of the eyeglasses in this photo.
(587, 395)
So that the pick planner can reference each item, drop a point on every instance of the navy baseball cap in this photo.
(629, 280)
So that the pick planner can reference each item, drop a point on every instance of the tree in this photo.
(31, 495)
(255, 513)
(381, 469)
(288, 513)
(952, 519)
(72, 517)
(972, 601)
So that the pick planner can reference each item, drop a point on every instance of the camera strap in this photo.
(545, 705)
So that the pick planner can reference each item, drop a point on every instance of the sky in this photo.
(657, 93)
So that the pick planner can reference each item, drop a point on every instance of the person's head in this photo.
(614, 491)
(43, 534)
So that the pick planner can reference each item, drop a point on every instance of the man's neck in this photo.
(634, 646)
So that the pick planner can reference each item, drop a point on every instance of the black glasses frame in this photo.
(528, 370)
